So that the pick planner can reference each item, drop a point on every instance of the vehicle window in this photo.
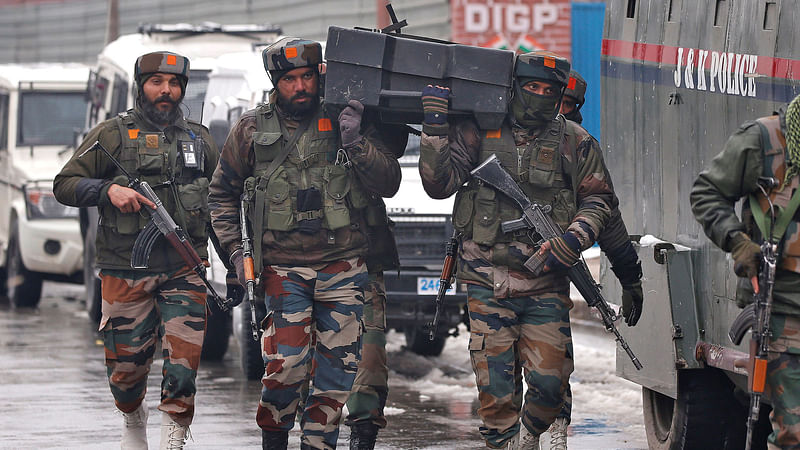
(119, 96)
(3, 121)
(196, 94)
(50, 118)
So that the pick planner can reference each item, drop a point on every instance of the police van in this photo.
(111, 91)
(42, 108)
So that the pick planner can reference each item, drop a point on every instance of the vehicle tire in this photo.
(250, 350)
(24, 287)
(3, 285)
(91, 281)
(699, 418)
(218, 333)
(418, 342)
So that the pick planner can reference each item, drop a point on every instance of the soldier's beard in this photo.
(298, 110)
(158, 116)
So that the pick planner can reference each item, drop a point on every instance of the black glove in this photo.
(632, 299)
(235, 293)
(564, 252)
(350, 123)
(746, 256)
(237, 259)
(434, 104)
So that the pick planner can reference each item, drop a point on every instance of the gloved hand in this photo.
(235, 293)
(746, 256)
(237, 260)
(350, 123)
(632, 298)
(564, 252)
(434, 104)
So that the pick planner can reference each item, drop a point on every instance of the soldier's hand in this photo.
(127, 200)
(350, 123)
(746, 256)
(632, 299)
(564, 251)
(237, 259)
(235, 291)
(434, 104)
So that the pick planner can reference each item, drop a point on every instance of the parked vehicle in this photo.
(678, 79)
(41, 109)
(110, 92)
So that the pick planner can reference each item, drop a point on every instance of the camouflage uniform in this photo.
(758, 149)
(167, 300)
(304, 271)
(517, 320)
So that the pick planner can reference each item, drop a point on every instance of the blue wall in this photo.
(587, 38)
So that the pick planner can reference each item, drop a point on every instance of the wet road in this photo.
(54, 391)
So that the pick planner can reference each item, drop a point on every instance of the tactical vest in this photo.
(539, 169)
(316, 163)
(150, 156)
(773, 143)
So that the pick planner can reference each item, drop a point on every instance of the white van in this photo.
(110, 90)
(42, 109)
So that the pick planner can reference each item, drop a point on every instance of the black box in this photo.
(387, 72)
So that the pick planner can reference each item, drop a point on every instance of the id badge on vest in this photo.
(191, 154)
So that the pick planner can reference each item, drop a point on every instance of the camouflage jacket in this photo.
(732, 175)
(375, 165)
(445, 163)
(84, 182)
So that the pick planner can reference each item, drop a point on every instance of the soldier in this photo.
(155, 143)
(768, 147)
(310, 178)
(518, 320)
(615, 242)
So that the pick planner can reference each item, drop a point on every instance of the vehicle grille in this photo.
(421, 240)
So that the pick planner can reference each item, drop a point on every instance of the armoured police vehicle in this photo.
(41, 110)
(110, 91)
(679, 77)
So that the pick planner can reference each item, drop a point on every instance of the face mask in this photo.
(532, 110)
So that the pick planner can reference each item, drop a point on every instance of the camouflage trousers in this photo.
(139, 308)
(371, 386)
(783, 381)
(315, 316)
(512, 339)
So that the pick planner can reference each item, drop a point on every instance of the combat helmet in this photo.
(541, 65)
(290, 53)
(163, 62)
(527, 108)
(576, 88)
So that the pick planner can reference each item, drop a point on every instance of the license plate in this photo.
(430, 286)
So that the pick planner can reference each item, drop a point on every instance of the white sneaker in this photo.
(528, 441)
(558, 434)
(173, 435)
(512, 443)
(134, 429)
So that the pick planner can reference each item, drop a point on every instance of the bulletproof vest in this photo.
(541, 172)
(773, 143)
(173, 165)
(316, 163)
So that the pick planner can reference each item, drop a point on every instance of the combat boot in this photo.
(134, 429)
(363, 436)
(173, 434)
(558, 434)
(528, 441)
(513, 443)
(274, 440)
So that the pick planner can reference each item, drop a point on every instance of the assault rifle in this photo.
(756, 317)
(445, 281)
(535, 218)
(249, 270)
(161, 223)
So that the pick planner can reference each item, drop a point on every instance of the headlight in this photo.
(41, 203)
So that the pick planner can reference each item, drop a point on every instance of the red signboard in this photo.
(521, 25)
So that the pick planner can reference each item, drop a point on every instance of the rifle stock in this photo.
(445, 281)
(249, 269)
(534, 217)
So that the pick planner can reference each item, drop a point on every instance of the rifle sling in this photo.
(784, 217)
(260, 196)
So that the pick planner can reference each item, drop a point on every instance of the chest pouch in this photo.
(337, 182)
(309, 210)
(153, 153)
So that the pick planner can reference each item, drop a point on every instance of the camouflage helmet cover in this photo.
(164, 62)
(542, 65)
(290, 53)
(576, 87)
